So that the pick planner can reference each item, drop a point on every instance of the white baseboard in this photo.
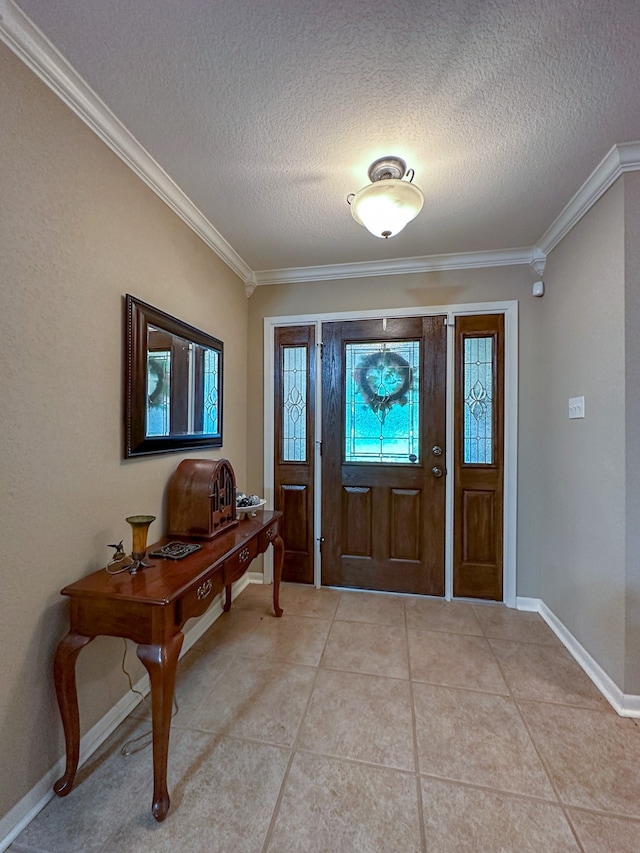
(626, 705)
(12, 824)
(531, 604)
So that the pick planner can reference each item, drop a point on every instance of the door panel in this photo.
(356, 505)
(294, 447)
(295, 505)
(479, 526)
(479, 457)
(384, 388)
(405, 524)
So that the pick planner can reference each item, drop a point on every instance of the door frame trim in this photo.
(449, 313)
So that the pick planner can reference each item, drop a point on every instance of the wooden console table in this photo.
(150, 608)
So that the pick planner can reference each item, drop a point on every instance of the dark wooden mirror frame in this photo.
(138, 317)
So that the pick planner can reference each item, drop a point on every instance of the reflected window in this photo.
(183, 381)
(211, 420)
(159, 393)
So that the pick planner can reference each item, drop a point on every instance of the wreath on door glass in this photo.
(384, 378)
(155, 368)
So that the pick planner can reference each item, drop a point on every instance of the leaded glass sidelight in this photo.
(211, 395)
(294, 404)
(478, 395)
(158, 392)
(382, 415)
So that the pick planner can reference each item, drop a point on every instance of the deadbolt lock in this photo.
(436, 450)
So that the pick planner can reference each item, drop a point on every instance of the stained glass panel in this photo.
(382, 417)
(294, 404)
(478, 401)
(158, 392)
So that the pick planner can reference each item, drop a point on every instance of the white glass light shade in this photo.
(386, 206)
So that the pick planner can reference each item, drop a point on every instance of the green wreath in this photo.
(154, 366)
(377, 372)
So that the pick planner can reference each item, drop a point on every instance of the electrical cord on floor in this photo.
(129, 747)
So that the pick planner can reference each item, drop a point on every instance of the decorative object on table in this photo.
(201, 498)
(120, 561)
(175, 550)
(247, 505)
(243, 500)
(118, 555)
(139, 528)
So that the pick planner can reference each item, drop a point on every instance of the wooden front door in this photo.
(383, 452)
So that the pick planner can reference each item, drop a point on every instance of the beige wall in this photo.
(77, 231)
(581, 552)
(428, 289)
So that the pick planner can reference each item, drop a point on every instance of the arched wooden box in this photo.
(202, 498)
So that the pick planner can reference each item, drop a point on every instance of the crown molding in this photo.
(538, 261)
(250, 285)
(366, 269)
(21, 35)
(624, 157)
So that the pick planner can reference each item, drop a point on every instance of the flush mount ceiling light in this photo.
(388, 203)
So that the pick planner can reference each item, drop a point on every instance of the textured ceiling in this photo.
(267, 114)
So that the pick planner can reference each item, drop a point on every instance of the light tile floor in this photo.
(365, 722)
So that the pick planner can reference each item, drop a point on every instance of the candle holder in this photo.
(139, 528)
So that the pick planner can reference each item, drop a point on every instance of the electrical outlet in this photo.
(576, 407)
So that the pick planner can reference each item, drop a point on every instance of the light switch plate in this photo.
(576, 407)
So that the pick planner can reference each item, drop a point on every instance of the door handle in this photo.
(437, 471)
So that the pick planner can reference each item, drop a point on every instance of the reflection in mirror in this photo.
(191, 405)
(173, 385)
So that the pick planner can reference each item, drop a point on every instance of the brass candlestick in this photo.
(139, 528)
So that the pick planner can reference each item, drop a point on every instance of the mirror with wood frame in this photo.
(173, 383)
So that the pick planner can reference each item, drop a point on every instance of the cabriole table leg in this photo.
(64, 674)
(160, 662)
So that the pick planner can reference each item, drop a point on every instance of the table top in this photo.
(165, 580)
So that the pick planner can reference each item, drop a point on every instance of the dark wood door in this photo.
(383, 434)
(479, 457)
(294, 447)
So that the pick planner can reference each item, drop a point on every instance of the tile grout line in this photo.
(601, 813)
(491, 789)
(534, 744)
(414, 723)
(293, 748)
